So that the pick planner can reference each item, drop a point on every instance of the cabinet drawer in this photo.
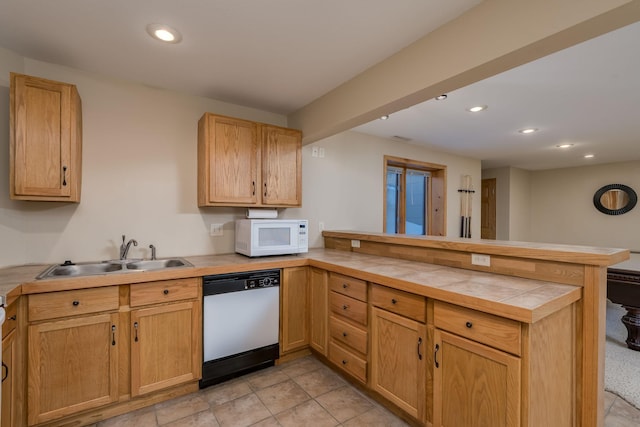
(350, 286)
(11, 319)
(348, 334)
(348, 307)
(348, 361)
(71, 303)
(495, 331)
(399, 302)
(164, 291)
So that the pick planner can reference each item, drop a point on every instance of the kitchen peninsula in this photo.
(531, 321)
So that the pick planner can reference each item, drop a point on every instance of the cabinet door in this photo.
(281, 166)
(474, 385)
(319, 290)
(165, 346)
(9, 417)
(72, 366)
(45, 139)
(229, 149)
(294, 302)
(398, 359)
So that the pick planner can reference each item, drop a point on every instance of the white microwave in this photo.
(262, 237)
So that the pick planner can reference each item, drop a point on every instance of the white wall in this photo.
(139, 177)
(345, 188)
(562, 209)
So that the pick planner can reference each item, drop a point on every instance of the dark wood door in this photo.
(488, 204)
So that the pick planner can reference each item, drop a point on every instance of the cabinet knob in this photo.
(76, 303)
(344, 334)
(344, 362)
(344, 307)
(469, 324)
(166, 292)
(394, 301)
(345, 286)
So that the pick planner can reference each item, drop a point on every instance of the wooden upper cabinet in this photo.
(281, 166)
(46, 140)
(243, 163)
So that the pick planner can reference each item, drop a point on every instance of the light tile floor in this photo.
(302, 392)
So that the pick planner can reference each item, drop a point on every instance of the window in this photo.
(414, 197)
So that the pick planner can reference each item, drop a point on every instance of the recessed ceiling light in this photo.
(164, 33)
(528, 130)
(564, 145)
(477, 108)
(589, 156)
(441, 97)
(385, 117)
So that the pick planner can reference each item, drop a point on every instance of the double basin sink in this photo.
(69, 269)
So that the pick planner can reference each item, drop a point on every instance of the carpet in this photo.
(622, 365)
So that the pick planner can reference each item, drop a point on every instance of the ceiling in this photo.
(587, 95)
(274, 55)
(280, 55)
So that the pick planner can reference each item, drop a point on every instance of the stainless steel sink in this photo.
(155, 264)
(110, 267)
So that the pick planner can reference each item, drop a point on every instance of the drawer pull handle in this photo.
(76, 303)
(345, 286)
(253, 184)
(166, 292)
(469, 325)
(344, 362)
(5, 371)
(344, 334)
(265, 189)
(64, 176)
(135, 328)
(435, 356)
(113, 334)
(345, 306)
(419, 344)
(394, 301)
(13, 317)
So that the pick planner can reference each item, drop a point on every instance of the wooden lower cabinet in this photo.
(318, 309)
(474, 385)
(163, 350)
(72, 366)
(398, 362)
(294, 312)
(9, 381)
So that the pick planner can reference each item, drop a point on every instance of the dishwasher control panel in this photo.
(263, 282)
(235, 282)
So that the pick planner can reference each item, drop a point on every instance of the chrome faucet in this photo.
(124, 247)
(153, 252)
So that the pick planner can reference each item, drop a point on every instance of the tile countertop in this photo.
(520, 299)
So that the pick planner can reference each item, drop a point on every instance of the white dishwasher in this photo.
(240, 324)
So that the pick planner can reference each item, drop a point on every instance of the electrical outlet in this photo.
(355, 243)
(484, 260)
(314, 151)
(216, 230)
(321, 152)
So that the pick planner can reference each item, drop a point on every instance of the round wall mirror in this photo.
(615, 199)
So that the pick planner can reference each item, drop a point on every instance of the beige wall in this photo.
(345, 188)
(139, 177)
(520, 204)
(562, 208)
